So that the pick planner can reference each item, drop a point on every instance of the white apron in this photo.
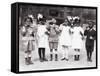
(77, 42)
(42, 37)
(65, 37)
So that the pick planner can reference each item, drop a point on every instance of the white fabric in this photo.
(40, 16)
(42, 37)
(65, 37)
(77, 42)
(65, 53)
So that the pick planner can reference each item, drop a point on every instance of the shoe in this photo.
(41, 60)
(26, 61)
(30, 61)
(63, 59)
(66, 59)
(45, 59)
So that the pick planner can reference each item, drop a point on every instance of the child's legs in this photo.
(55, 46)
(88, 51)
(28, 54)
(43, 53)
(33, 45)
(77, 51)
(66, 52)
(51, 50)
(77, 54)
(28, 57)
(63, 52)
(39, 52)
(91, 50)
(56, 50)
(51, 46)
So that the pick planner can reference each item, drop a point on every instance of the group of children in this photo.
(46, 32)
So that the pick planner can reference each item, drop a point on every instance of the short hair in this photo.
(91, 22)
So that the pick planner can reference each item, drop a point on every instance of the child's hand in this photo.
(47, 32)
(87, 28)
(91, 37)
(83, 37)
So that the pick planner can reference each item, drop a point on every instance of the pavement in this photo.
(49, 65)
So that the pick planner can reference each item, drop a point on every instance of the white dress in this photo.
(65, 37)
(77, 42)
(42, 37)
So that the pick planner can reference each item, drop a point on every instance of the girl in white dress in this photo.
(65, 39)
(42, 40)
(77, 37)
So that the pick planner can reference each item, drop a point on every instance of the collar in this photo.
(91, 29)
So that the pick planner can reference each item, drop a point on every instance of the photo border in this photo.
(16, 70)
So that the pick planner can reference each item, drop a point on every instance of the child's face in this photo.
(66, 22)
(90, 24)
(28, 22)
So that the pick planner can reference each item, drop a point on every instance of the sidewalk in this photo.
(56, 64)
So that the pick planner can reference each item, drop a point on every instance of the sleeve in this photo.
(38, 32)
(46, 31)
(72, 30)
(81, 31)
(57, 29)
(48, 27)
(85, 32)
(23, 32)
(61, 27)
(94, 34)
(32, 34)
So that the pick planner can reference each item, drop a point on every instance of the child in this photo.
(28, 38)
(91, 36)
(77, 38)
(41, 40)
(53, 32)
(65, 39)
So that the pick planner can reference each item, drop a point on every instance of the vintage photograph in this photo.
(55, 37)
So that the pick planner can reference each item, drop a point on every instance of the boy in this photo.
(53, 33)
(91, 36)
